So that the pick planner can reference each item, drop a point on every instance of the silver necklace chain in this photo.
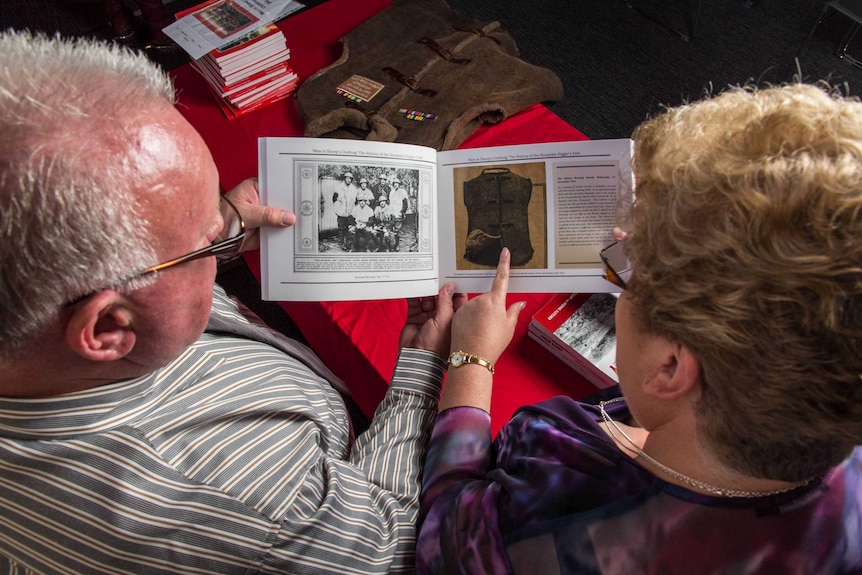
(720, 491)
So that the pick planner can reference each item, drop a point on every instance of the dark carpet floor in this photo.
(620, 61)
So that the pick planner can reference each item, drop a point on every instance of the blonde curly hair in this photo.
(746, 244)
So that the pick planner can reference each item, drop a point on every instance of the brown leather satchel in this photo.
(419, 73)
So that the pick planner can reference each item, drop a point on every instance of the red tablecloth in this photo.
(358, 340)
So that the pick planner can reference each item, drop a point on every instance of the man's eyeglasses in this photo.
(227, 243)
(617, 267)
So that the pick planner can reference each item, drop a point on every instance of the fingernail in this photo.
(521, 305)
(449, 289)
(287, 218)
(505, 252)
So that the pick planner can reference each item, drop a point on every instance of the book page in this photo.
(553, 205)
(366, 220)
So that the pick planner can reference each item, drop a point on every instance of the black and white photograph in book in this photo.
(367, 208)
(590, 331)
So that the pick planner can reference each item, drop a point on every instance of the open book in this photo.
(383, 220)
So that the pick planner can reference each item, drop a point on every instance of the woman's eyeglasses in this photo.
(617, 267)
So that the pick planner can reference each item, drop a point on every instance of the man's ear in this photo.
(100, 328)
(677, 374)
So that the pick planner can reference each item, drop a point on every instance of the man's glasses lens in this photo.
(234, 225)
(232, 244)
(617, 266)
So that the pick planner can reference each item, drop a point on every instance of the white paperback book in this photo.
(422, 218)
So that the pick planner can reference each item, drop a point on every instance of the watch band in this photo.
(459, 358)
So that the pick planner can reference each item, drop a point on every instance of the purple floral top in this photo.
(554, 495)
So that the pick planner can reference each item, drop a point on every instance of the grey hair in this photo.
(69, 224)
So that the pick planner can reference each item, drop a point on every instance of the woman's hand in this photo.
(484, 326)
(247, 200)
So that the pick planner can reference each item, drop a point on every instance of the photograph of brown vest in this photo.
(442, 76)
(497, 203)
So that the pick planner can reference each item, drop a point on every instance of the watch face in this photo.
(457, 359)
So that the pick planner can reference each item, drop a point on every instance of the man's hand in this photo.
(247, 200)
(429, 321)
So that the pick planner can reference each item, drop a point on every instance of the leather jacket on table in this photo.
(438, 76)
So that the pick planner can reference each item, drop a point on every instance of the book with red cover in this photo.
(260, 38)
(259, 92)
(265, 38)
(253, 68)
(270, 72)
(272, 75)
(279, 50)
(249, 72)
(579, 329)
(244, 89)
(232, 112)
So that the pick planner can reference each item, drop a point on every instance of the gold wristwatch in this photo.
(459, 358)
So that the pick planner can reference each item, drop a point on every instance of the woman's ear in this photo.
(100, 328)
(677, 374)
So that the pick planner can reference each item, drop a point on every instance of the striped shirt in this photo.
(234, 458)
